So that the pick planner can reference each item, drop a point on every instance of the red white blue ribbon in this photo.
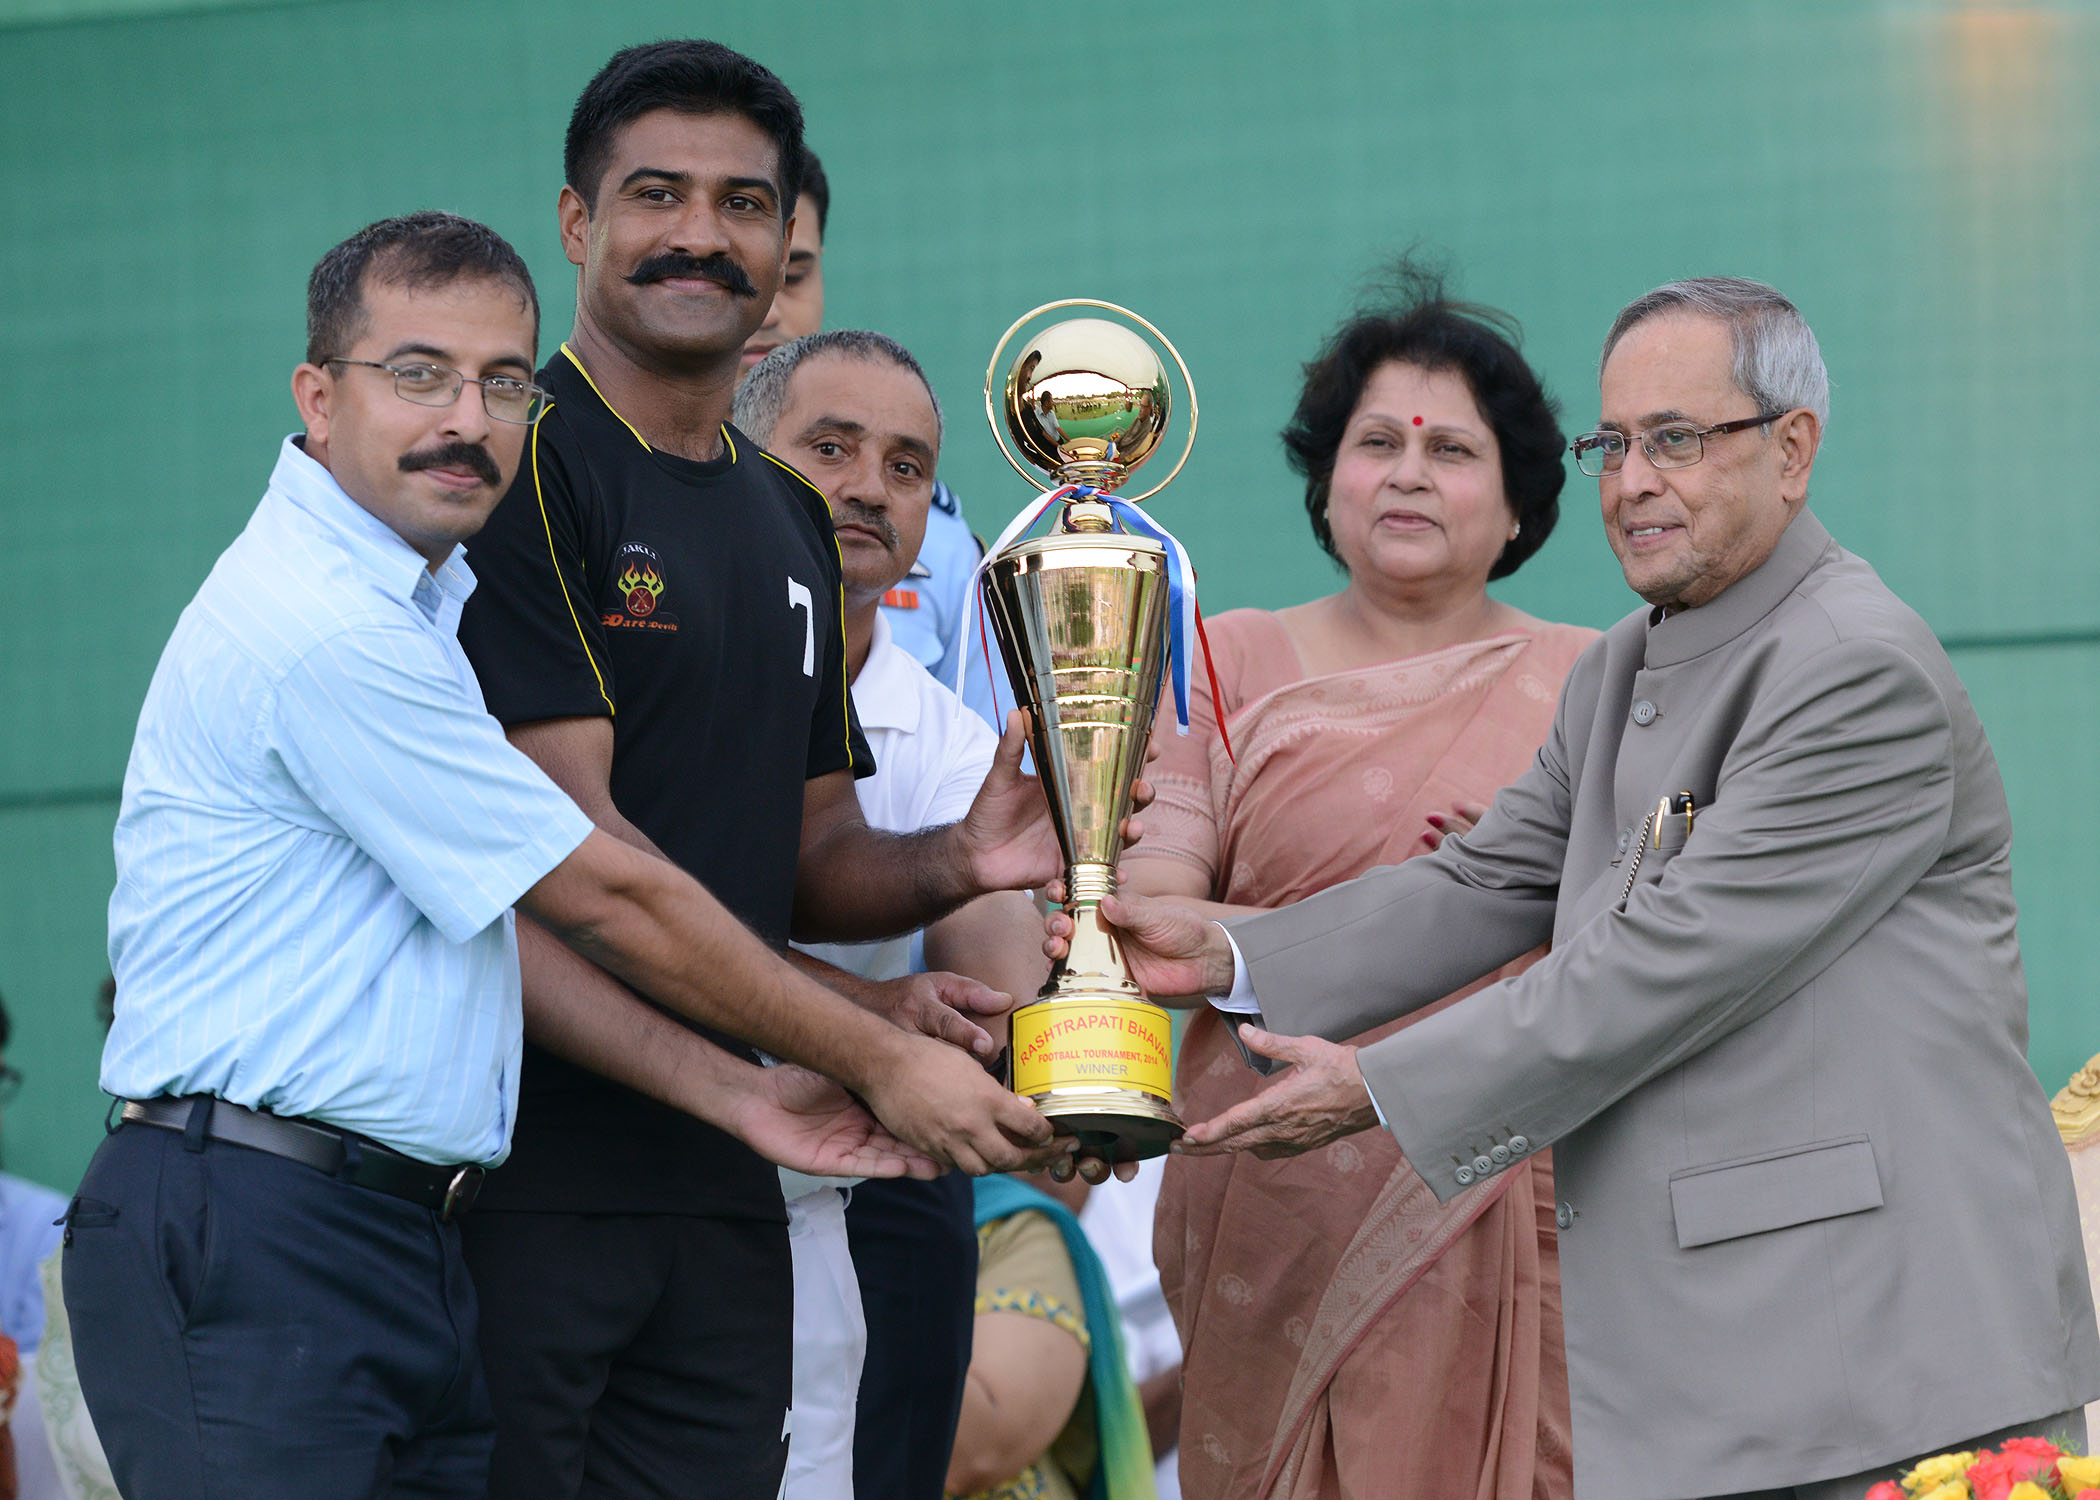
(1181, 630)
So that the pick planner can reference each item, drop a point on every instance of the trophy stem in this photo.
(1095, 962)
(1086, 516)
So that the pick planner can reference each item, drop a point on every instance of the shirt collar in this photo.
(1694, 632)
(884, 695)
(398, 569)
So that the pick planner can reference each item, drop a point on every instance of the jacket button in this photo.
(1519, 1144)
(1564, 1216)
(1499, 1153)
(1464, 1175)
(1482, 1166)
(1644, 712)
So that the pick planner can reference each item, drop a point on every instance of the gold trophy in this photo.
(1082, 617)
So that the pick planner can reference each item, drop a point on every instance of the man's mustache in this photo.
(719, 269)
(454, 455)
(853, 513)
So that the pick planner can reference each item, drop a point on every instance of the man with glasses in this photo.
(1815, 1221)
(318, 1036)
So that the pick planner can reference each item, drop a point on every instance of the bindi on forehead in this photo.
(1418, 421)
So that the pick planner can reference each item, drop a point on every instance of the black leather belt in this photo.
(448, 1191)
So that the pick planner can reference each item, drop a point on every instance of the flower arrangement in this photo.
(2026, 1468)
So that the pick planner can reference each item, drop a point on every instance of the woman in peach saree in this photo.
(1344, 1333)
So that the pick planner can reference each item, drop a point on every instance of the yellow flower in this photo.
(2078, 1472)
(2027, 1489)
(1938, 1471)
(1953, 1489)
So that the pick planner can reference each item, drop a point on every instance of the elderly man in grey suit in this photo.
(1815, 1221)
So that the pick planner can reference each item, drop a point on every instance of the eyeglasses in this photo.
(10, 1083)
(504, 397)
(1672, 445)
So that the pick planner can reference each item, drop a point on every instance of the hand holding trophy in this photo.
(1090, 603)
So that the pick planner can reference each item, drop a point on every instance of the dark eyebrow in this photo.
(1652, 419)
(832, 424)
(765, 183)
(915, 445)
(444, 357)
(671, 178)
(654, 174)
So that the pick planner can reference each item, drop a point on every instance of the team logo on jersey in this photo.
(641, 586)
(638, 583)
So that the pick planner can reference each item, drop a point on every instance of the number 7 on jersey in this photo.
(800, 598)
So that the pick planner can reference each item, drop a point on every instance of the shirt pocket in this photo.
(1774, 1190)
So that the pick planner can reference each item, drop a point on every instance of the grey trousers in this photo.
(2066, 1430)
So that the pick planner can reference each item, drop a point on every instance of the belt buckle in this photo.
(461, 1192)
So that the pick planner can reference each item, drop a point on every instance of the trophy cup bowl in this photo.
(1087, 396)
(1080, 615)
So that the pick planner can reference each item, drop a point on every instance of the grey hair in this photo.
(763, 395)
(1777, 362)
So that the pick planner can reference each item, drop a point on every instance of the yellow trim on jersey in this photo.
(586, 374)
(804, 478)
(847, 685)
(548, 527)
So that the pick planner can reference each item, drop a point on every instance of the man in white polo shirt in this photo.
(855, 414)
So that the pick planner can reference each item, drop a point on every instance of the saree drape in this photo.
(1344, 1333)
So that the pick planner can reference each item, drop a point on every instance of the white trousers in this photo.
(831, 1340)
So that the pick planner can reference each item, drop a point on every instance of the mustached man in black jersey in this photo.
(659, 625)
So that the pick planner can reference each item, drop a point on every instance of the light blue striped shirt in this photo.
(321, 837)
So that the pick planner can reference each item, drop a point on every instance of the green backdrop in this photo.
(1919, 176)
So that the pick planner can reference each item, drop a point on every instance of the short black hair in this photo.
(816, 187)
(693, 78)
(1413, 321)
(417, 250)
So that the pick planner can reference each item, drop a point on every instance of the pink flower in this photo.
(2033, 1447)
(1888, 1489)
(1993, 1476)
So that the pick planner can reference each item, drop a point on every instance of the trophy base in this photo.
(1114, 1124)
(1098, 1063)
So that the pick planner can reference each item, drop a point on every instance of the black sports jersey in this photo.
(700, 606)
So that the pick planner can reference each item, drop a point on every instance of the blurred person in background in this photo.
(1049, 1411)
(1345, 1333)
(932, 605)
(29, 1233)
(1118, 1220)
(855, 414)
(82, 1468)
